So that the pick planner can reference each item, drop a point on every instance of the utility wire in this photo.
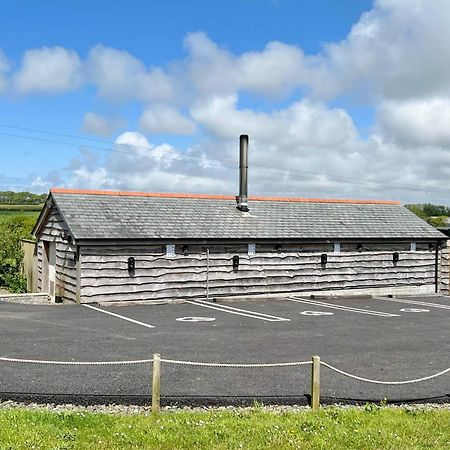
(118, 149)
(36, 130)
(234, 163)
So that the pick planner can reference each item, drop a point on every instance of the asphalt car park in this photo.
(380, 338)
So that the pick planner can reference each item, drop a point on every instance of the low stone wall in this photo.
(30, 299)
(372, 292)
(29, 265)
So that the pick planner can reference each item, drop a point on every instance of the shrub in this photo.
(12, 231)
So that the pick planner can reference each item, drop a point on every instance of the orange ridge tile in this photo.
(218, 197)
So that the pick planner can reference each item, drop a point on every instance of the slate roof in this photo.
(116, 215)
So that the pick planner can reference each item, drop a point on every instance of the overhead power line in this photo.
(120, 148)
(74, 136)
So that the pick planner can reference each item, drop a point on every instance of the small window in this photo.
(337, 247)
(251, 249)
(71, 260)
(413, 247)
(170, 250)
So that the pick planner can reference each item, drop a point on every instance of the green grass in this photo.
(331, 428)
(7, 213)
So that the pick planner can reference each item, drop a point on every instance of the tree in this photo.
(417, 210)
(21, 198)
(436, 215)
(437, 221)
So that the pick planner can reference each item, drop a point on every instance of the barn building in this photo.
(107, 246)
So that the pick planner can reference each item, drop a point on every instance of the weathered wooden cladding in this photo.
(66, 275)
(54, 226)
(56, 231)
(444, 275)
(39, 262)
(105, 277)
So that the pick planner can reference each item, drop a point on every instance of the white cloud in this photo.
(302, 123)
(101, 126)
(134, 152)
(399, 49)
(274, 71)
(119, 75)
(90, 178)
(137, 164)
(135, 140)
(420, 122)
(209, 68)
(48, 70)
(165, 119)
(116, 74)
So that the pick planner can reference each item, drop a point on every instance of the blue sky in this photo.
(154, 30)
(160, 90)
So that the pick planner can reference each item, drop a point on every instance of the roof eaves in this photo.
(42, 216)
(66, 223)
(255, 240)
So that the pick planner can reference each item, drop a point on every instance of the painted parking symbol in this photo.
(414, 310)
(316, 313)
(196, 319)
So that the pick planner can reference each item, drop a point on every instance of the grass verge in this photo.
(332, 428)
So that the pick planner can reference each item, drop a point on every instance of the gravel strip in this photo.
(146, 410)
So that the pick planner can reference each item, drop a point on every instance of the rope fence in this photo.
(367, 380)
(157, 360)
(236, 365)
(76, 363)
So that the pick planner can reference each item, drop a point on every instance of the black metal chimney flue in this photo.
(243, 169)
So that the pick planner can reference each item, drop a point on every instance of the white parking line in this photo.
(120, 317)
(256, 313)
(239, 312)
(412, 302)
(341, 307)
(415, 310)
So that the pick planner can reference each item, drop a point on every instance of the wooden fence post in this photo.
(156, 383)
(315, 383)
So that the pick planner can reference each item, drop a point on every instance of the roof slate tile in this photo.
(94, 216)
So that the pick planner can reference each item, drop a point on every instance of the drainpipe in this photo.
(437, 284)
(78, 272)
(207, 273)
